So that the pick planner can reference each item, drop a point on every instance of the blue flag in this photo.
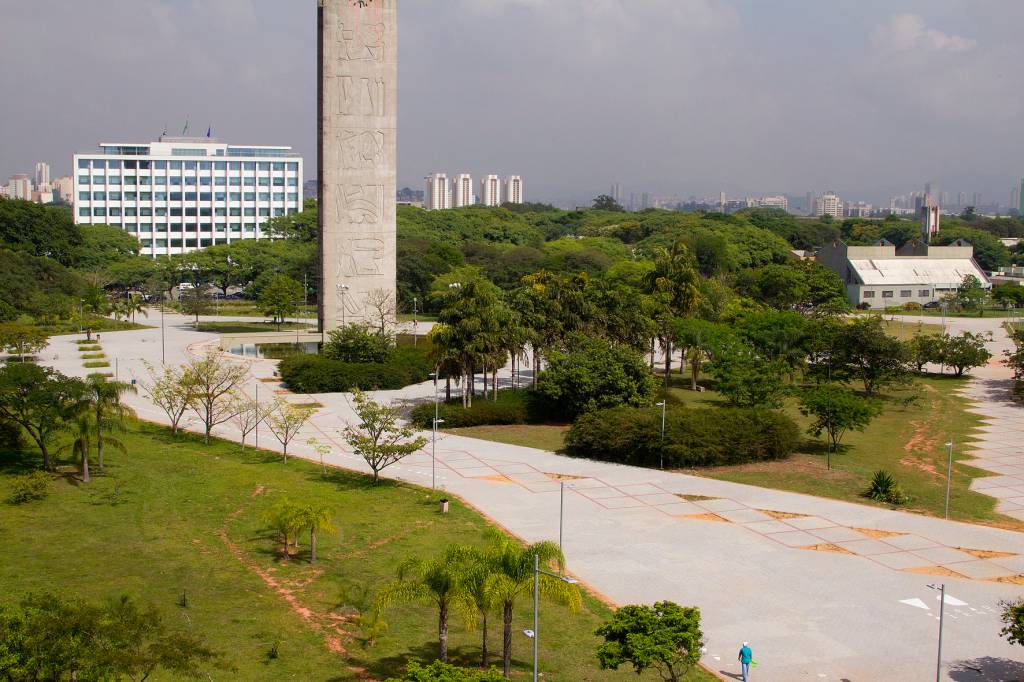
(209, 131)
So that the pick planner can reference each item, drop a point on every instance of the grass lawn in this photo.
(541, 436)
(175, 517)
(249, 327)
(96, 323)
(937, 312)
(908, 330)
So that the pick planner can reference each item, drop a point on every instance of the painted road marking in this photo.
(915, 602)
(951, 601)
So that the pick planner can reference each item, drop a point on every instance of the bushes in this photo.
(512, 407)
(884, 488)
(33, 486)
(693, 438)
(95, 363)
(316, 374)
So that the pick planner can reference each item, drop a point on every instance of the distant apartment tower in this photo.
(514, 189)
(438, 196)
(859, 209)
(178, 194)
(42, 174)
(1020, 197)
(64, 189)
(617, 193)
(490, 190)
(462, 190)
(20, 187)
(778, 201)
(828, 204)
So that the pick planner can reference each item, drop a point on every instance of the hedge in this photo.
(316, 374)
(512, 407)
(693, 437)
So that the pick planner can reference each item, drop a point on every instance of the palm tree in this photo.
(439, 581)
(134, 304)
(479, 581)
(110, 415)
(315, 518)
(286, 518)
(514, 575)
(82, 429)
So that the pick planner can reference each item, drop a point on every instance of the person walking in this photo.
(745, 657)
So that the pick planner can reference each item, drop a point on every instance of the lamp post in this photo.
(342, 288)
(163, 345)
(81, 314)
(942, 608)
(949, 473)
(663, 405)
(414, 334)
(533, 634)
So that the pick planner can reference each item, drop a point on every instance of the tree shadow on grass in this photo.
(466, 656)
(987, 669)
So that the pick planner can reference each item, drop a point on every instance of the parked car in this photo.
(931, 305)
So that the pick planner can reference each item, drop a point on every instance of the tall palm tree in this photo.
(315, 518)
(514, 575)
(479, 581)
(439, 581)
(109, 414)
(81, 426)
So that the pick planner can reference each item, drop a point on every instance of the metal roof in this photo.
(932, 271)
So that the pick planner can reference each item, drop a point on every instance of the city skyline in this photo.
(907, 77)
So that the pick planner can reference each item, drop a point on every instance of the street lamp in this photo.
(342, 288)
(533, 634)
(663, 405)
(81, 314)
(163, 345)
(433, 438)
(942, 608)
(414, 311)
(949, 473)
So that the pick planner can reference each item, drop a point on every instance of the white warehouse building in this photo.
(179, 194)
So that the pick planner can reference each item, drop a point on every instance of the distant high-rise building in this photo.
(1015, 198)
(490, 190)
(976, 199)
(828, 204)
(617, 193)
(462, 190)
(645, 201)
(64, 189)
(930, 216)
(42, 175)
(514, 189)
(961, 199)
(721, 201)
(859, 209)
(20, 187)
(437, 195)
(779, 201)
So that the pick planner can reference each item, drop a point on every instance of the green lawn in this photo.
(937, 312)
(176, 517)
(908, 330)
(250, 327)
(96, 323)
(541, 436)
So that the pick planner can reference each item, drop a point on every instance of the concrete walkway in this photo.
(823, 590)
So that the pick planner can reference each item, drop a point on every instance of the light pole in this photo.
(414, 334)
(81, 314)
(949, 474)
(256, 400)
(533, 634)
(163, 345)
(342, 288)
(942, 608)
(663, 405)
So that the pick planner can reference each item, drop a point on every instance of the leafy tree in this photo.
(316, 519)
(700, 339)
(286, 420)
(439, 671)
(925, 348)
(83, 439)
(248, 415)
(195, 302)
(39, 230)
(285, 518)
(103, 246)
(666, 637)
(438, 581)
(210, 385)
(21, 339)
(380, 439)
(514, 574)
(971, 295)
(964, 352)
(1015, 358)
(605, 202)
(745, 378)
(593, 374)
(168, 389)
(39, 399)
(990, 253)
(1012, 617)
(355, 343)
(868, 354)
(1010, 294)
(836, 410)
(478, 578)
(109, 414)
(280, 297)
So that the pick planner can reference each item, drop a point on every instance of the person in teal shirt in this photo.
(745, 657)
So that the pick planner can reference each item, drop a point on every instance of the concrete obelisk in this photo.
(357, 113)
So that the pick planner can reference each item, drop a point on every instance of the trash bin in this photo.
(444, 505)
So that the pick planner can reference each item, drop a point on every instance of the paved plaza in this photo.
(823, 590)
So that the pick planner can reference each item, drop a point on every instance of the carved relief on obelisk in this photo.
(357, 104)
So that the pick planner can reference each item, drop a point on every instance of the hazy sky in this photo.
(867, 97)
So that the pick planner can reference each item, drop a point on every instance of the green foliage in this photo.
(745, 378)
(862, 350)
(37, 286)
(48, 636)
(95, 363)
(316, 374)
(836, 410)
(884, 488)
(444, 672)
(32, 486)
(21, 339)
(795, 285)
(280, 297)
(356, 343)
(990, 253)
(1015, 358)
(693, 437)
(104, 246)
(39, 399)
(39, 230)
(511, 407)
(300, 227)
(964, 352)
(605, 202)
(666, 637)
(379, 438)
(464, 225)
(1012, 618)
(924, 348)
(592, 374)
(195, 302)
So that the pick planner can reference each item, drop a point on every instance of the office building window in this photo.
(886, 294)
(206, 211)
(191, 165)
(869, 294)
(99, 163)
(264, 182)
(293, 182)
(145, 196)
(99, 212)
(250, 212)
(131, 164)
(83, 179)
(98, 180)
(264, 212)
(220, 212)
(235, 196)
(278, 196)
(160, 211)
(129, 196)
(220, 181)
(160, 196)
(99, 196)
(190, 196)
(205, 180)
(175, 181)
(206, 196)
(278, 182)
(191, 181)
(160, 180)
(293, 167)
(235, 182)
(293, 196)
(220, 196)
(264, 166)
(83, 196)
(264, 196)
(114, 196)
(924, 293)
(114, 163)
(160, 165)
(145, 211)
(190, 212)
(906, 293)
(83, 163)
(234, 165)
(249, 182)
(175, 196)
(250, 196)
(220, 165)
(83, 212)
(249, 166)
(205, 165)
(236, 211)
(129, 211)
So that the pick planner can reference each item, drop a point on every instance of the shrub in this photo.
(12, 438)
(912, 305)
(693, 437)
(89, 347)
(93, 356)
(95, 363)
(445, 672)
(33, 486)
(317, 374)
(354, 343)
(884, 488)
(512, 407)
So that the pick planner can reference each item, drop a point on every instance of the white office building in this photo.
(829, 204)
(514, 189)
(778, 201)
(462, 190)
(20, 187)
(179, 194)
(438, 195)
(490, 190)
(42, 174)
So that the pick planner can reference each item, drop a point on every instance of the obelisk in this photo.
(357, 101)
